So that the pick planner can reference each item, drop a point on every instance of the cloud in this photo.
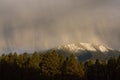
(43, 24)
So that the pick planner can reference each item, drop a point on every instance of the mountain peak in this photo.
(75, 47)
(86, 51)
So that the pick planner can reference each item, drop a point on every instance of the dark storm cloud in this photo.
(43, 24)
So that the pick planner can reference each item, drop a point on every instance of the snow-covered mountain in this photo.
(76, 47)
(85, 51)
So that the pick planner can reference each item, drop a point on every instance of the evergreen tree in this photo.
(72, 69)
(49, 66)
(118, 69)
(111, 68)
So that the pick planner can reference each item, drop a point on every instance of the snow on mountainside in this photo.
(76, 47)
(87, 51)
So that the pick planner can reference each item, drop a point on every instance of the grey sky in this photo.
(43, 24)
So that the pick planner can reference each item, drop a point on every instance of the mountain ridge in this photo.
(85, 46)
(86, 51)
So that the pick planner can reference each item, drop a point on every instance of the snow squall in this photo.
(27, 25)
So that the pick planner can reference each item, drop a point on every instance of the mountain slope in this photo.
(86, 51)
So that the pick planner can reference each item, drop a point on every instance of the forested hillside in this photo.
(53, 66)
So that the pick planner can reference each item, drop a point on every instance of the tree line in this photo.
(53, 66)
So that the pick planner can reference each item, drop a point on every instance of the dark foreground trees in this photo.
(53, 66)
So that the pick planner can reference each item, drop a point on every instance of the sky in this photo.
(43, 24)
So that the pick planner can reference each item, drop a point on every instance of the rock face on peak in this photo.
(86, 51)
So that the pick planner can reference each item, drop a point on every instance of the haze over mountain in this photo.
(44, 24)
(86, 51)
(76, 47)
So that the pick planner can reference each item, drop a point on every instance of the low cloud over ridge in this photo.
(43, 24)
